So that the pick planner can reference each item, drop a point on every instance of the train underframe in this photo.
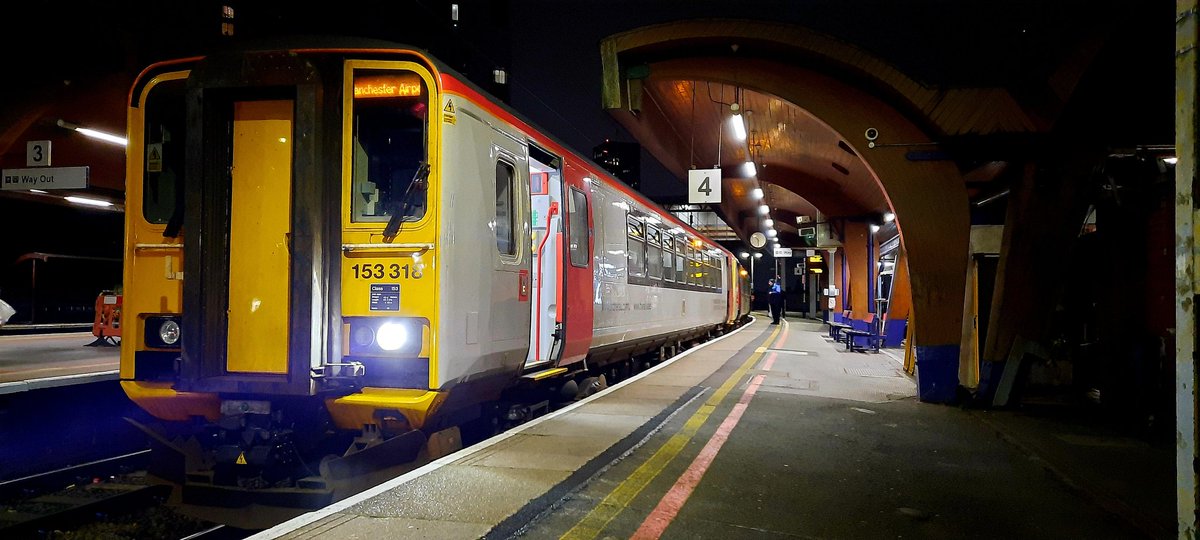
(289, 453)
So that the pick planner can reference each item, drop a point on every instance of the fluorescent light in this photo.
(771, 233)
(37, 191)
(756, 193)
(764, 209)
(769, 222)
(751, 170)
(739, 126)
(888, 217)
(743, 254)
(107, 137)
(874, 228)
(1172, 160)
(88, 202)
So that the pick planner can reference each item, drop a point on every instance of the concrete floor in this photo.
(772, 432)
(834, 445)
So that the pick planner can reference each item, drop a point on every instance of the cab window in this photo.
(390, 134)
(163, 157)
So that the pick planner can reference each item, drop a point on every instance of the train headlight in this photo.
(385, 336)
(169, 332)
(391, 336)
(363, 336)
(163, 332)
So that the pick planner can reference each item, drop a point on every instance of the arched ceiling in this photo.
(802, 165)
(672, 87)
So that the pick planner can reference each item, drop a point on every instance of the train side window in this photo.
(389, 145)
(681, 261)
(166, 142)
(653, 253)
(705, 273)
(636, 247)
(505, 226)
(693, 267)
(668, 257)
(577, 213)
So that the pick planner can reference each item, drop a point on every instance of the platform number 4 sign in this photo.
(704, 186)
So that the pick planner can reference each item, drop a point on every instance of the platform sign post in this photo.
(704, 186)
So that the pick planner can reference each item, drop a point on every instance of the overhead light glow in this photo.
(756, 193)
(874, 228)
(743, 254)
(1172, 160)
(88, 202)
(888, 217)
(771, 233)
(751, 170)
(107, 137)
(764, 209)
(739, 126)
(769, 222)
(37, 191)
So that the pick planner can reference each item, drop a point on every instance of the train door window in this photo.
(390, 142)
(166, 142)
(681, 260)
(505, 224)
(636, 247)
(668, 254)
(653, 253)
(577, 213)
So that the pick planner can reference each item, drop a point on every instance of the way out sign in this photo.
(704, 186)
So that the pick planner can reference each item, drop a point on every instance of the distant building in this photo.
(622, 160)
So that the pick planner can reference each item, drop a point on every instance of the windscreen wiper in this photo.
(419, 183)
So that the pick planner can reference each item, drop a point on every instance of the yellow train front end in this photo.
(281, 257)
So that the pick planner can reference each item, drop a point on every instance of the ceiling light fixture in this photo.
(764, 209)
(888, 217)
(769, 222)
(88, 202)
(757, 193)
(751, 170)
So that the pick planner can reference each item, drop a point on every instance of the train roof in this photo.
(325, 43)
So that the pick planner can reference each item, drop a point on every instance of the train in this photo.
(354, 243)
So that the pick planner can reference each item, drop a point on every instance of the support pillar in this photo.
(1185, 267)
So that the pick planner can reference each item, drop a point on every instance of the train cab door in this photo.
(546, 213)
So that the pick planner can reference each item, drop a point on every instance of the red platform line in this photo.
(663, 514)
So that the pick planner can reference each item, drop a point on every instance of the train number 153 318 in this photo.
(392, 270)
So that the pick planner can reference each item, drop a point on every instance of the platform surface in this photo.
(770, 432)
(29, 362)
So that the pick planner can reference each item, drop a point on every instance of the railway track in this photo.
(109, 497)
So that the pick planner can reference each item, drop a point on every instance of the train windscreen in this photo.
(390, 145)
(166, 143)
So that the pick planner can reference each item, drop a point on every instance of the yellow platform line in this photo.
(594, 523)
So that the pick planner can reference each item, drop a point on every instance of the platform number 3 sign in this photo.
(704, 186)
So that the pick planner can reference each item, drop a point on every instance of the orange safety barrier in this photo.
(107, 325)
